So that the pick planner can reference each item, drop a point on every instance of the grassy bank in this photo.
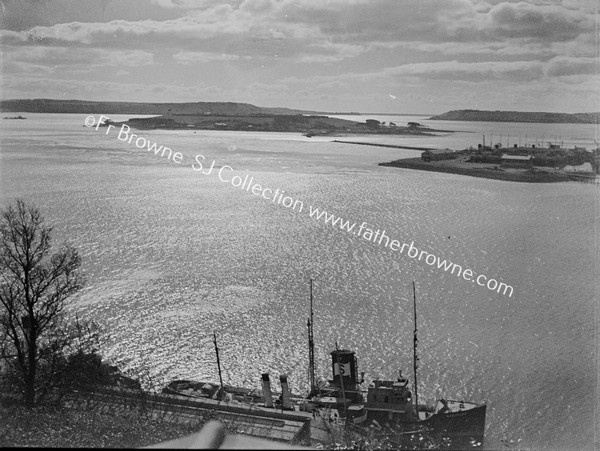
(59, 427)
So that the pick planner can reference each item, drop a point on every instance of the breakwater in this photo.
(393, 146)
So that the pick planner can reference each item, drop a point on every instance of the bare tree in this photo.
(34, 285)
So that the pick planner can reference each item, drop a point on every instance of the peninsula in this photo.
(517, 164)
(518, 116)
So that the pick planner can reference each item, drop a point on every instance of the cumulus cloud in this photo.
(553, 22)
(311, 49)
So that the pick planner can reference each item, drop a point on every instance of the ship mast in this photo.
(218, 361)
(311, 344)
(415, 357)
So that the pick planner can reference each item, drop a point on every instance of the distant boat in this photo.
(15, 117)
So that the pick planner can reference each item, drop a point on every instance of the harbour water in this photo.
(172, 254)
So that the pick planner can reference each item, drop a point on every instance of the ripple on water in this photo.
(172, 256)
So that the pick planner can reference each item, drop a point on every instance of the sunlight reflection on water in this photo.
(172, 255)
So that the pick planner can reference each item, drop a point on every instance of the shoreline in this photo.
(307, 125)
(489, 172)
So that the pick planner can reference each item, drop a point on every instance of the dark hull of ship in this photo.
(469, 424)
(464, 428)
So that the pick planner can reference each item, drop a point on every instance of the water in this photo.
(172, 255)
(467, 134)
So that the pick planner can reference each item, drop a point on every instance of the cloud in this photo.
(218, 21)
(22, 15)
(8, 37)
(21, 67)
(513, 71)
(327, 52)
(566, 66)
(77, 57)
(309, 23)
(553, 22)
(28, 87)
(305, 50)
(190, 58)
(474, 72)
(184, 4)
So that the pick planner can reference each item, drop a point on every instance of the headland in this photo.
(517, 164)
(518, 116)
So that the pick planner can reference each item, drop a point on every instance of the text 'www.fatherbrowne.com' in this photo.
(226, 174)
(380, 238)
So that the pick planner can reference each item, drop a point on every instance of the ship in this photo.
(386, 410)
(389, 407)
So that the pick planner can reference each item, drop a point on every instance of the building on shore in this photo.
(438, 154)
(516, 161)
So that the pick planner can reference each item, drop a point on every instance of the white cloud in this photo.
(77, 56)
(474, 72)
(12, 37)
(190, 58)
(22, 67)
(30, 87)
(311, 50)
(552, 22)
(327, 52)
(183, 4)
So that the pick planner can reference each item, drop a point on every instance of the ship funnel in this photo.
(344, 369)
(285, 392)
(266, 386)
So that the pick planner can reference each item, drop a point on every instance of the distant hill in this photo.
(518, 116)
(90, 107)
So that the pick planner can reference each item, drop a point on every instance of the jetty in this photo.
(393, 146)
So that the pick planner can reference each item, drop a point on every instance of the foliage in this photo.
(70, 361)
(34, 286)
(372, 123)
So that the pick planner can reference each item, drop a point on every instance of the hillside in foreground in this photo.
(518, 116)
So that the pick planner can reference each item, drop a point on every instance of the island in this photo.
(517, 164)
(219, 116)
(518, 116)
(307, 124)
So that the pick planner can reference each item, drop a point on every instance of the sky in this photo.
(387, 56)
